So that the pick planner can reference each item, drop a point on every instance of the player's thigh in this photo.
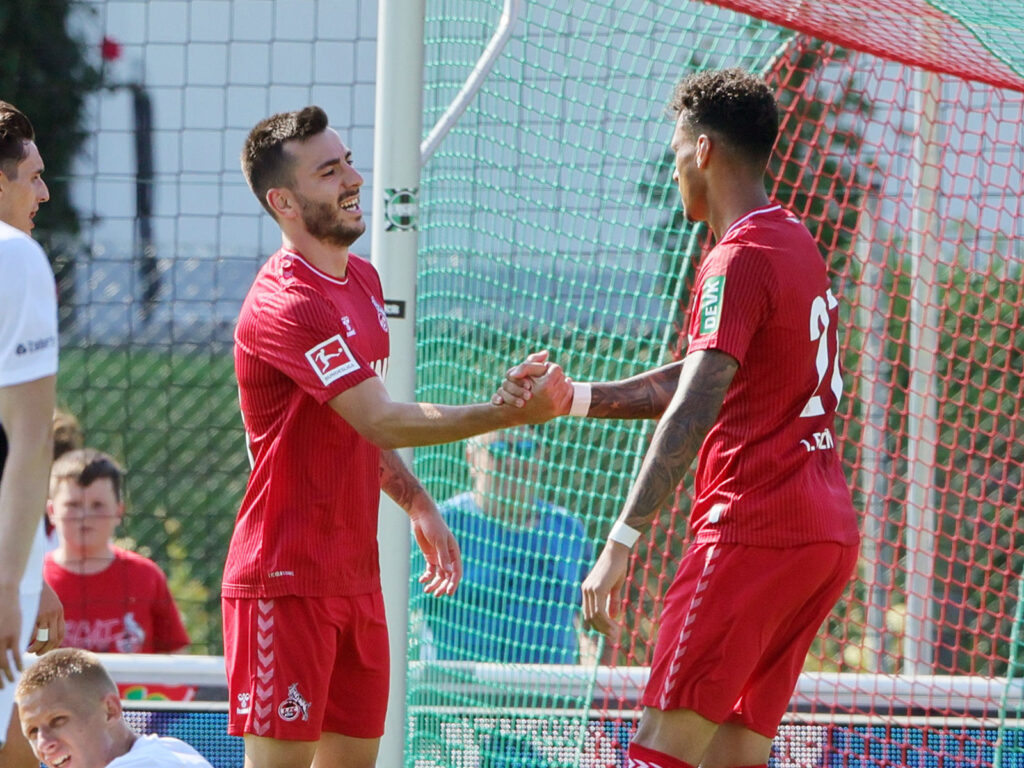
(827, 568)
(279, 655)
(358, 686)
(262, 752)
(722, 613)
(338, 751)
(682, 733)
(734, 745)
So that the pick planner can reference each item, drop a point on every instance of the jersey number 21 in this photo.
(827, 337)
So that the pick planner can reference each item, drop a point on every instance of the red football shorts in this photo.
(737, 624)
(300, 666)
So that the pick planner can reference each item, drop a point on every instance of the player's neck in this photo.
(122, 741)
(83, 562)
(736, 202)
(328, 258)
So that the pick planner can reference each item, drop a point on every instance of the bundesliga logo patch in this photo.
(332, 359)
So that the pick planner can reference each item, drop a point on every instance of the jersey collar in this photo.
(750, 215)
(318, 272)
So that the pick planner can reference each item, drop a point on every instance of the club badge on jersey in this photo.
(382, 315)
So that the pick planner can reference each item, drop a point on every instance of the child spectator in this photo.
(115, 601)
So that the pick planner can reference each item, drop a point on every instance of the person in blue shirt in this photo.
(523, 561)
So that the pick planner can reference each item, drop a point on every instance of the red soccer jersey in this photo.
(125, 608)
(768, 473)
(308, 522)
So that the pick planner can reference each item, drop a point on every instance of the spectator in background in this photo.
(71, 715)
(67, 436)
(115, 601)
(67, 432)
(523, 558)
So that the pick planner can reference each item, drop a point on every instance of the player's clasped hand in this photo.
(602, 589)
(517, 387)
(538, 386)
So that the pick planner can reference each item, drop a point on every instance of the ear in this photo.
(120, 511)
(112, 710)
(703, 151)
(49, 510)
(281, 201)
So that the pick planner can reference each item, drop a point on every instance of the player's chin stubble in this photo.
(322, 223)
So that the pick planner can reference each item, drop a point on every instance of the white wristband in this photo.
(580, 400)
(624, 534)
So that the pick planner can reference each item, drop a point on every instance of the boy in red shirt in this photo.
(115, 601)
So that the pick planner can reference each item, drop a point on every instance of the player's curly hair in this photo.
(15, 130)
(79, 667)
(732, 103)
(264, 161)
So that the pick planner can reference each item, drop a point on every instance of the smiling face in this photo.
(326, 188)
(22, 189)
(70, 726)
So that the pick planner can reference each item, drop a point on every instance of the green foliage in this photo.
(979, 460)
(977, 477)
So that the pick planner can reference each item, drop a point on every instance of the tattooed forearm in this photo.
(703, 382)
(397, 481)
(640, 397)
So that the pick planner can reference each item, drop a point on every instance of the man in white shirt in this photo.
(28, 374)
(71, 715)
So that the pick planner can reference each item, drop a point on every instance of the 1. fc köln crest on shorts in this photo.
(332, 359)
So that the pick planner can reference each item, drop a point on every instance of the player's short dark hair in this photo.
(736, 105)
(81, 668)
(15, 130)
(84, 467)
(264, 161)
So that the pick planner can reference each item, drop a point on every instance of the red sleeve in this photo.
(169, 633)
(733, 299)
(301, 335)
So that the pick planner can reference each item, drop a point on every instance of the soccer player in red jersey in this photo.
(775, 535)
(304, 634)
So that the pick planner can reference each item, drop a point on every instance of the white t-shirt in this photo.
(28, 310)
(159, 752)
(28, 351)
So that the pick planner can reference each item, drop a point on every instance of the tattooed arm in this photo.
(645, 396)
(440, 550)
(703, 381)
